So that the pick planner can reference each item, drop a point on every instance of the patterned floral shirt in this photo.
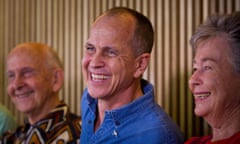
(58, 127)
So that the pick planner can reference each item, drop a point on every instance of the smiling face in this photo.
(108, 63)
(214, 83)
(30, 81)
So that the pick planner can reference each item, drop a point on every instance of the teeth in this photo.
(99, 77)
(202, 96)
(24, 94)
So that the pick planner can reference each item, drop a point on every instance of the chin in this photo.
(199, 113)
(91, 92)
(95, 94)
(23, 109)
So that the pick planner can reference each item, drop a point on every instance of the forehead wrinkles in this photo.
(216, 48)
(122, 24)
(29, 48)
(32, 56)
(110, 31)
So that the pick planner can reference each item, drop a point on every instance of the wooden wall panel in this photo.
(64, 24)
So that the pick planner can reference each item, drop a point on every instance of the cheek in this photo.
(212, 79)
(218, 89)
(190, 86)
(9, 90)
(85, 62)
(117, 66)
(37, 85)
(124, 69)
(84, 65)
(41, 90)
(219, 83)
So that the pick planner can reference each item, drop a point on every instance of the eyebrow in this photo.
(22, 69)
(104, 48)
(88, 44)
(205, 60)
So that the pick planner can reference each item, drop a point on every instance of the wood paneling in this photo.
(64, 24)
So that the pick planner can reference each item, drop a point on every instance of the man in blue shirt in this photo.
(118, 105)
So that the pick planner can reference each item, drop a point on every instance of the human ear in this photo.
(58, 78)
(141, 64)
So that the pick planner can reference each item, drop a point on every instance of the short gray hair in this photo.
(215, 25)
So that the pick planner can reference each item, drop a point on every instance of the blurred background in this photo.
(64, 25)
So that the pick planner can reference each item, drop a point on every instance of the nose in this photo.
(194, 80)
(97, 61)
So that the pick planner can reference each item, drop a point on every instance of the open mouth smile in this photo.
(25, 94)
(202, 95)
(99, 77)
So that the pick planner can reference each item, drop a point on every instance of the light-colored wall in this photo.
(64, 25)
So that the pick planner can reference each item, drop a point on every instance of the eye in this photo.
(10, 76)
(194, 70)
(111, 53)
(27, 73)
(207, 68)
(90, 49)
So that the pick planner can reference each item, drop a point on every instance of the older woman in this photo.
(215, 82)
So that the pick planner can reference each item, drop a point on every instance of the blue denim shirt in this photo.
(140, 122)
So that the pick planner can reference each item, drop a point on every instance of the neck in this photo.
(40, 113)
(227, 125)
(116, 101)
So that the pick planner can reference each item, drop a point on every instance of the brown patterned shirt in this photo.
(58, 127)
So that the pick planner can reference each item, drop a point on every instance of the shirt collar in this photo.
(134, 107)
(55, 116)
